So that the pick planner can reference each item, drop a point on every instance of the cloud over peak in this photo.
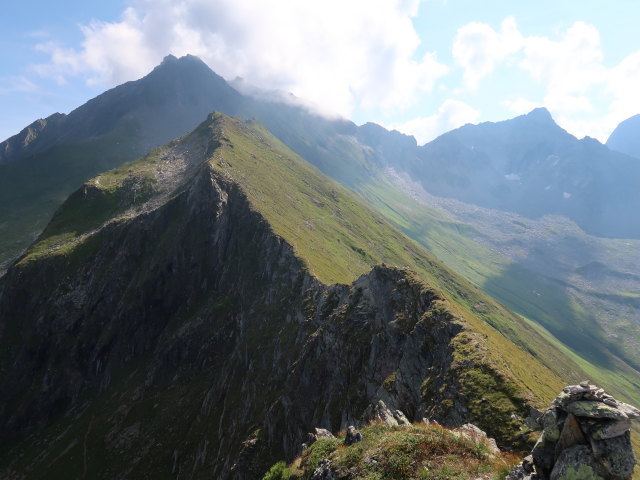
(339, 55)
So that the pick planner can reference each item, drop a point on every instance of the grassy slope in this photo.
(343, 158)
(340, 238)
(333, 230)
(512, 284)
(26, 207)
(411, 452)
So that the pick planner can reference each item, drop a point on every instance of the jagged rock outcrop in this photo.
(324, 471)
(381, 413)
(472, 432)
(318, 433)
(586, 435)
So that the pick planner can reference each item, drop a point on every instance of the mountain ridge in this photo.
(355, 156)
(164, 85)
(504, 165)
(182, 295)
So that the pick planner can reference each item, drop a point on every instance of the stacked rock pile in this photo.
(586, 436)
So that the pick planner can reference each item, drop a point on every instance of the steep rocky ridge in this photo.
(31, 189)
(172, 319)
(51, 158)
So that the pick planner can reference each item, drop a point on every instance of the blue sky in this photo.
(422, 67)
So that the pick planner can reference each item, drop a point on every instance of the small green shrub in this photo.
(276, 472)
(320, 449)
(280, 471)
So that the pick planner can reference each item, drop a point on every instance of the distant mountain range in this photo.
(531, 166)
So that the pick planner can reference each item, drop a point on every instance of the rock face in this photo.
(381, 413)
(324, 471)
(586, 435)
(472, 432)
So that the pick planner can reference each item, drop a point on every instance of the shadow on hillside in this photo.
(546, 302)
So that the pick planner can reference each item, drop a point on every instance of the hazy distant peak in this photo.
(185, 58)
(169, 59)
(626, 137)
(540, 114)
(172, 63)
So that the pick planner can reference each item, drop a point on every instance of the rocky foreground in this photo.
(388, 446)
(586, 436)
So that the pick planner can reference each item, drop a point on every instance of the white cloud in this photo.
(451, 114)
(622, 84)
(478, 48)
(571, 69)
(520, 105)
(337, 54)
(574, 72)
(359, 55)
(18, 84)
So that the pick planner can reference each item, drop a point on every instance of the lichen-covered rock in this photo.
(518, 473)
(317, 435)
(592, 409)
(472, 432)
(324, 471)
(628, 410)
(606, 429)
(381, 413)
(549, 421)
(571, 435)
(615, 455)
(586, 436)
(543, 454)
(401, 418)
(576, 463)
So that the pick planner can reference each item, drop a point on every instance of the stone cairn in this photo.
(585, 436)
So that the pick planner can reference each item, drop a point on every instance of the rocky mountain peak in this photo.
(540, 115)
(184, 62)
(169, 59)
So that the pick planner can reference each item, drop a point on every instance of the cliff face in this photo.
(159, 327)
